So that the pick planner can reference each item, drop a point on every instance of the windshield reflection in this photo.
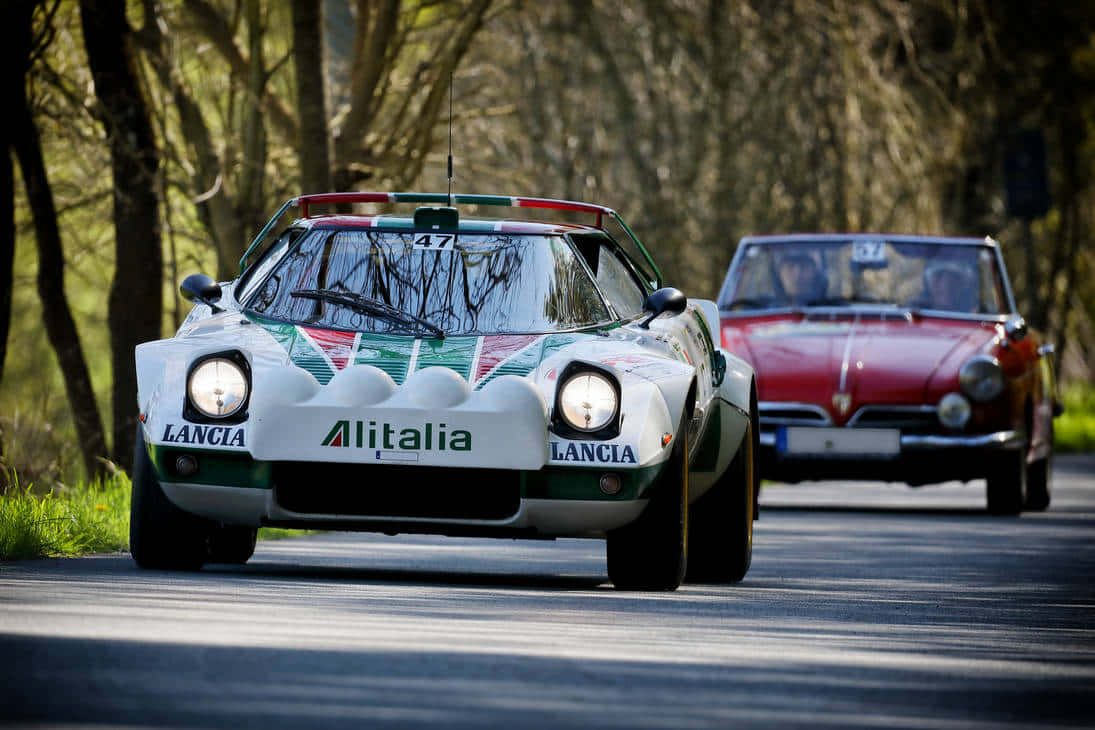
(461, 285)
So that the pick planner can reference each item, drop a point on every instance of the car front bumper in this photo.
(554, 501)
(534, 518)
(921, 442)
(953, 457)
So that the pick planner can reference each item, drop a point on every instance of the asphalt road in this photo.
(866, 606)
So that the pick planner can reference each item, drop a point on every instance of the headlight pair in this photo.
(587, 402)
(981, 379)
(218, 386)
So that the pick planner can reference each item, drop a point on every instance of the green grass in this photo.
(280, 533)
(78, 520)
(64, 521)
(1074, 430)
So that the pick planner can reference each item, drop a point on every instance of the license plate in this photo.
(861, 442)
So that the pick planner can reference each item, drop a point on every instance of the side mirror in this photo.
(1016, 329)
(201, 288)
(664, 301)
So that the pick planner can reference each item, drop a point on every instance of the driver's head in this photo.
(799, 275)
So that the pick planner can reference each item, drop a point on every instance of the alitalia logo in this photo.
(373, 435)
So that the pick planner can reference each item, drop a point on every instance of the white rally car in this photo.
(432, 373)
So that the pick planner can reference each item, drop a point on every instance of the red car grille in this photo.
(910, 419)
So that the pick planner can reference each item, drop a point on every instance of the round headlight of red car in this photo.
(981, 378)
(953, 411)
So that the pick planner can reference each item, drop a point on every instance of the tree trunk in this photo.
(251, 203)
(7, 261)
(7, 246)
(14, 58)
(315, 160)
(136, 295)
(60, 327)
(216, 207)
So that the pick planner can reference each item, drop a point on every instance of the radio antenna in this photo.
(450, 136)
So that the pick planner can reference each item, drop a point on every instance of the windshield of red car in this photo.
(463, 284)
(941, 277)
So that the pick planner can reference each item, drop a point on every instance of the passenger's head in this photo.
(950, 286)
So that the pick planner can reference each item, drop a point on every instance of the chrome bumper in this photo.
(1000, 440)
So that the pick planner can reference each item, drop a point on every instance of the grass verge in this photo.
(91, 518)
(1074, 430)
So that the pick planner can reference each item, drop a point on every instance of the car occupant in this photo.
(801, 278)
(950, 286)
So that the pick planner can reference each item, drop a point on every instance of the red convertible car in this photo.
(898, 358)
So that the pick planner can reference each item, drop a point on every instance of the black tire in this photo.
(1006, 484)
(162, 536)
(1039, 476)
(651, 554)
(754, 425)
(232, 544)
(720, 533)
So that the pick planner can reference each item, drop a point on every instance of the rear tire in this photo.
(162, 536)
(651, 554)
(232, 544)
(720, 536)
(1006, 488)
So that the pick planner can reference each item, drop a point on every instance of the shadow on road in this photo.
(259, 569)
(203, 685)
(877, 510)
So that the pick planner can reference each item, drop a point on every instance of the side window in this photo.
(993, 300)
(258, 271)
(618, 284)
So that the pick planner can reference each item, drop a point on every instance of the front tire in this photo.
(232, 544)
(720, 536)
(651, 554)
(162, 536)
(1039, 476)
(1006, 484)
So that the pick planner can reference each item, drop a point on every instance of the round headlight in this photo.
(981, 378)
(588, 401)
(953, 411)
(217, 387)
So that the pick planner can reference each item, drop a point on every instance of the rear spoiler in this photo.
(305, 201)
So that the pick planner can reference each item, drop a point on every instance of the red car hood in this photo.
(843, 363)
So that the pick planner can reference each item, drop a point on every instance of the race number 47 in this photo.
(435, 241)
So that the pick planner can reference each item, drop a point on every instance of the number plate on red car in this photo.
(863, 442)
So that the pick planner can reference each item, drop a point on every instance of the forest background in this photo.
(151, 139)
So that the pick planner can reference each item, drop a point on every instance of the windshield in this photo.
(428, 283)
(943, 277)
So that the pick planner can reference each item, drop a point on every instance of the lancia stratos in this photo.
(432, 372)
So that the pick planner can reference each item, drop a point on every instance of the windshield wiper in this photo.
(845, 301)
(749, 303)
(368, 305)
